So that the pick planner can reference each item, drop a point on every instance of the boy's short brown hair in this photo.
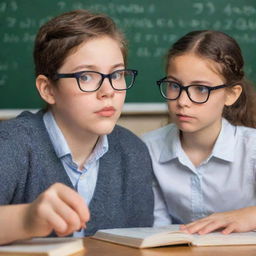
(59, 36)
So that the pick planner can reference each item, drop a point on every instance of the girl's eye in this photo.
(201, 89)
(116, 75)
(174, 86)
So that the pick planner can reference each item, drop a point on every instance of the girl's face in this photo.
(189, 69)
(89, 113)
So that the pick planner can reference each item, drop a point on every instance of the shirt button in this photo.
(82, 176)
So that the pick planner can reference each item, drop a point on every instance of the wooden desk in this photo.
(98, 248)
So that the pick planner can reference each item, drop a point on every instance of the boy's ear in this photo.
(233, 94)
(45, 89)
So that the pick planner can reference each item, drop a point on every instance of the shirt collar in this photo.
(60, 145)
(171, 145)
(100, 149)
(57, 138)
(224, 147)
(172, 149)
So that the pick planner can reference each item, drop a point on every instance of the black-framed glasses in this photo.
(91, 81)
(172, 90)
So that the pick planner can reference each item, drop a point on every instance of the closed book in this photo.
(44, 247)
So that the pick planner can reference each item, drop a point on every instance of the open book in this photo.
(44, 247)
(170, 235)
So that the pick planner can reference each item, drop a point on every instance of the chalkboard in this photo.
(151, 26)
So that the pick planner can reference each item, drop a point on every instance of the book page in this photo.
(144, 237)
(217, 238)
(49, 246)
(142, 233)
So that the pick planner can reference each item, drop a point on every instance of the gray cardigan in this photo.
(123, 195)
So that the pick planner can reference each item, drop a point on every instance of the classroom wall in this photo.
(140, 124)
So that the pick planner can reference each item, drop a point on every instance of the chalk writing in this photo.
(3, 6)
(205, 8)
(150, 27)
(3, 66)
(3, 80)
(246, 10)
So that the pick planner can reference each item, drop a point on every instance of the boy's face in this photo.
(89, 113)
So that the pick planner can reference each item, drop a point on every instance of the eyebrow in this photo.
(93, 67)
(196, 82)
(173, 78)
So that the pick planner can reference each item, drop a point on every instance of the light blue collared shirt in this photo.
(84, 181)
(224, 181)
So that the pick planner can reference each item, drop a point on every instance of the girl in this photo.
(205, 161)
(59, 165)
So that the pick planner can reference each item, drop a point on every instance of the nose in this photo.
(183, 99)
(106, 89)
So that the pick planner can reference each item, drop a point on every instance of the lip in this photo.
(106, 111)
(183, 117)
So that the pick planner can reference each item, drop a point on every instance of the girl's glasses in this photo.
(172, 90)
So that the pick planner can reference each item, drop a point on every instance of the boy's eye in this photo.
(85, 78)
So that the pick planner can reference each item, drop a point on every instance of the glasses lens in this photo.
(122, 79)
(89, 81)
(170, 90)
(198, 93)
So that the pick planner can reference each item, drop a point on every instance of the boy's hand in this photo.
(242, 220)
(59, 209)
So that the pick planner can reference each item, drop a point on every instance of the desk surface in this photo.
(97, 248)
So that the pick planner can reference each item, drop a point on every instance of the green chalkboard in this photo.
(151, 26)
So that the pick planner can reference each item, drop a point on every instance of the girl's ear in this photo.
(233, 94)
(45, 89)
